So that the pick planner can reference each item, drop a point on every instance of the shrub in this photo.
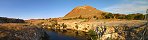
(77, 26)
(130, 17)
(64, 25)
(92, 32)
(110, 15)
(53, 23)
(139, 16)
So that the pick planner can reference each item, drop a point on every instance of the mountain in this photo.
(84, 12)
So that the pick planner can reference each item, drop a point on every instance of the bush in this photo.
(108, 16)
(77, 26)
(139, 16)
(92, 32)
(64, 25)
(53, 23)
(130, 17)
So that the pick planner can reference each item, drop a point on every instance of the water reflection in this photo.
(69, 35)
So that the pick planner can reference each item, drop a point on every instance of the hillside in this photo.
(84, 12)
(11, 20)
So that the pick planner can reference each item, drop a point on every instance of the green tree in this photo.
(108, 16)
(122, 16)
(146, 15)
(139, 16)
(130, 16)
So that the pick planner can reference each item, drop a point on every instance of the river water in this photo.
(67, 35)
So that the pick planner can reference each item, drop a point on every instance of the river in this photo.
(67, 35)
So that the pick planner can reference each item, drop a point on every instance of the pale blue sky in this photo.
(27, 9)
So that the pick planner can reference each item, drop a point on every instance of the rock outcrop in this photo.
(21, 32)
(124, 33)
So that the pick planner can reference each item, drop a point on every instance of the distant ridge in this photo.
(84, 12)
(11, 20)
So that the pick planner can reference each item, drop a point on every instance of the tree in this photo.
(130, 16)
(122, 16)
(146, 15)
(147, 11)
(116, 16)
(108, 16)
(139, 16)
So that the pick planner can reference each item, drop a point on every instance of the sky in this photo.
(32, 9)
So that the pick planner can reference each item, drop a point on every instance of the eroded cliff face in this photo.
(14, 31)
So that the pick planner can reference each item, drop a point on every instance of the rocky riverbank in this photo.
(16, 31)
(83, 24)
(102, 29)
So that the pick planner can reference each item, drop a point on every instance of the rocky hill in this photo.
(84, 12)
(10, 20)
